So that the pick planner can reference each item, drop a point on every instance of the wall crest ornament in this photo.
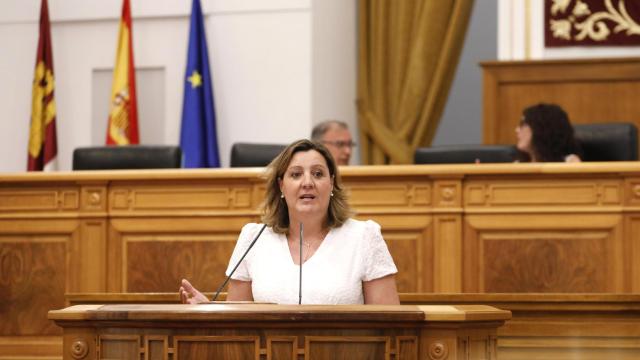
(592, 23)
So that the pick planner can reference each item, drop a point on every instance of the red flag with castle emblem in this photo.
(43, 146)
(123, 111)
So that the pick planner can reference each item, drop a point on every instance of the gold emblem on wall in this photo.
(591, 22)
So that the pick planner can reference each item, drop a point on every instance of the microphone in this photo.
(238, 263)
(300, 261)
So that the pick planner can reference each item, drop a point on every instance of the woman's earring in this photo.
(331, 194)
(282, 195)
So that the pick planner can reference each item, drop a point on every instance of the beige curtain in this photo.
(408, 53)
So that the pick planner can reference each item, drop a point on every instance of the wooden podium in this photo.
(265, 331)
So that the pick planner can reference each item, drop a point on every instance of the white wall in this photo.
(260, 52)
(335, 62)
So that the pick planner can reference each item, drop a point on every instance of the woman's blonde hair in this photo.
(275, 211)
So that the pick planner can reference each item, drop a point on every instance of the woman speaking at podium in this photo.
(307, 224)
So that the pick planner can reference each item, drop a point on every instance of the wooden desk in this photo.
(508, 228)
(589, 90)
(543, 326)
(250, 331)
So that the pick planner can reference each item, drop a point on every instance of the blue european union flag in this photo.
(198, 138)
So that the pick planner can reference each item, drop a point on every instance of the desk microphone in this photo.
(300, 277)
(238, 263)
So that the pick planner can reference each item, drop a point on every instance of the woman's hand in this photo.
(191, 295)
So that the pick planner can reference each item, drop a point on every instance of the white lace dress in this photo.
(349, 255)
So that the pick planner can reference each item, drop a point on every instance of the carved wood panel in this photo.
(502, 193)
(32, 281)
(410, 242)
(406, 347)
(158, 263)
(216, 347)
(165, 197)
(447, 253)
(282, 347)
(375, 195)
(154, 255)
(39, 198)
(632, 252)
(532, 253)
(35, 258)
(156, 347)
(347, 347)
(118, 347)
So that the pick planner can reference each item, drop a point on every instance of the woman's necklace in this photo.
(308, 249)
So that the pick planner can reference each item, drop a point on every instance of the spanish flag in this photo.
(42, 136)
(123, 112)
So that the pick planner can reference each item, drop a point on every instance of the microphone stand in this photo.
(300, 261)
(238, 263)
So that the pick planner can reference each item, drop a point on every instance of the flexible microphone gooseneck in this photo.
(238, 263)
(300, 277)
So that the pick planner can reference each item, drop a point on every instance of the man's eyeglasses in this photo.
(340, 144)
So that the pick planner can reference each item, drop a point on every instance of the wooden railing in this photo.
(514, 228)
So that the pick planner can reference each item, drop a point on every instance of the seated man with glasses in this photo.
(335, 135)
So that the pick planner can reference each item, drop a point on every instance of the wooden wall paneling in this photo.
(154, 255)
(447, 235)
(541, 201)
(166, 230)
(447, 257)
(441, 344)
(590, 90)
(119, 346)
(633, 253)
(114, 258)
(601, 332)
(38, 225)
(535, 253)
(471, 260)
(447, 227)
(543, 194)
(410, 242)
(632, 231)
(557, 326)
(375, 194)
(34, 275)
(217, 347)
(171, 198)
(89, 257)
(19, 200)
(77, 345)
(282, 347)
(345, 347)
(93, 198)
(402, 210)
(156, 347)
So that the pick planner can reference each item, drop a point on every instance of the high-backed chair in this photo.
(127, 157)
(249, 155)
(461, 154)
(616, 141)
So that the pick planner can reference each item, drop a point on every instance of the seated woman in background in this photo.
(546, 135)
(345, 261)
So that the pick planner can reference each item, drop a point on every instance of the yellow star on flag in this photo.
(195, 79)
